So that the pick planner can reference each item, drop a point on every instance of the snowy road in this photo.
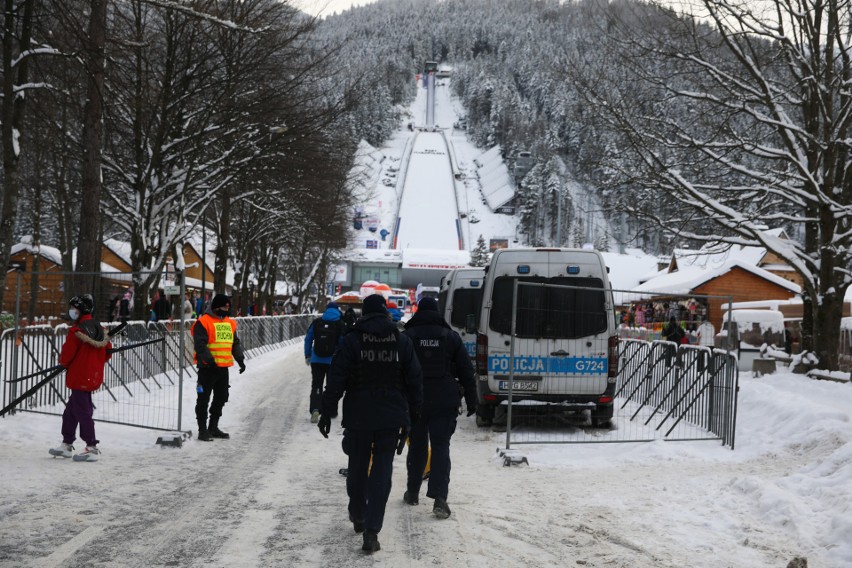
(272, 496)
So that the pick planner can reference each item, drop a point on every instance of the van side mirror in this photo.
(470, 324)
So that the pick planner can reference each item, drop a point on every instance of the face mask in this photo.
(222, 313)
(73, 313)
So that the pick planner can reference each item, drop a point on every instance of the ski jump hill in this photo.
(425, 206)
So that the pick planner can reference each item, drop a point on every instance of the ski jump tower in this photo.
(429, 79)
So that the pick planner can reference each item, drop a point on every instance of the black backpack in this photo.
(326, 336)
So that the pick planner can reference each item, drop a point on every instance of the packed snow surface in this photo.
(272, 494)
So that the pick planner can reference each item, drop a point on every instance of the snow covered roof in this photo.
(626, 270)
(686, 279)
(367, 168)
(436, 259)
(195, 240)
(50, 253)
(494, 178)
(714, 255)
(120, 248)
(374, 255)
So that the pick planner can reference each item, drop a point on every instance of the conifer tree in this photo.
(479, 255)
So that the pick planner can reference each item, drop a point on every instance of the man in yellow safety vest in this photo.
(216, 348)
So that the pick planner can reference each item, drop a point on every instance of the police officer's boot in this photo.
(214, 429)
(203, 433)
(371, 542)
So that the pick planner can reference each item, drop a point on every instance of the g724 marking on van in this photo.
(549, 365)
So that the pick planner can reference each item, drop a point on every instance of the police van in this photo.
(565, 348)
(459, 299)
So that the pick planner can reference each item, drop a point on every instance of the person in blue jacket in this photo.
(446, 366)
(395, 313)
(324, 336)
(379, 373)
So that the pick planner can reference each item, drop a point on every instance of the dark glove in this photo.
(242, 366)
(208, 361)
(308, 361)
(403, 436)
(324, 425)
(471, 407)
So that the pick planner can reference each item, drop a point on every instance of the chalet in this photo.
(22, 285)
(735, 279)
(116, 277)
(713, 256)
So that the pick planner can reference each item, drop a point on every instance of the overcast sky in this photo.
(328, 7)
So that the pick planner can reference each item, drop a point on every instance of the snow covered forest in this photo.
(708, 122)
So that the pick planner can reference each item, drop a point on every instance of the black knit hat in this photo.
(374, 304)
(428, 305)
(220, 301)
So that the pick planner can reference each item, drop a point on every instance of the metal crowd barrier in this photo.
(143, 386)
(664, 391)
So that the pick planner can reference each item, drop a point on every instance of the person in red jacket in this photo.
(84, 354)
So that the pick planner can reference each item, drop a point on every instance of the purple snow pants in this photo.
(79, 411)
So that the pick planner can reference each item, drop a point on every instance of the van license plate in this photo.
(519, 385)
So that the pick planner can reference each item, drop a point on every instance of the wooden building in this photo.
(735, 279)
(45, 289)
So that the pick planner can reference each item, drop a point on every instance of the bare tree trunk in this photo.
(88, 243)
(36, 236)
(12, 122)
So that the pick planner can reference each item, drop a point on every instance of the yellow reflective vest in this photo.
(220, 339)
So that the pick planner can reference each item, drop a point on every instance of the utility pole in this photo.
(559, 215)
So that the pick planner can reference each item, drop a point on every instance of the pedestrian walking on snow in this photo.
(446, 365)
(324, 336)
(216, 348)
(379, 373)
(84, 354)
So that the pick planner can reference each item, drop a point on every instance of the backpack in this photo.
(326, 336)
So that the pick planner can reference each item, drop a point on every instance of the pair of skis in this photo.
(51, 372)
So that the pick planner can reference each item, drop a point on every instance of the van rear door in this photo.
(562, 326)
(463, 299)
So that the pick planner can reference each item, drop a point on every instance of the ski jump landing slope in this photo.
(428, 215)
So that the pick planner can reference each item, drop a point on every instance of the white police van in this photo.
(566, 346)
(459, 300)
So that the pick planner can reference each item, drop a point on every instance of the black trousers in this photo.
(435, 432)
(213, 381)
(368, 486)
(319, 371)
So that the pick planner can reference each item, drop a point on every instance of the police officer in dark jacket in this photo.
(443, 358)
(377, 369)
